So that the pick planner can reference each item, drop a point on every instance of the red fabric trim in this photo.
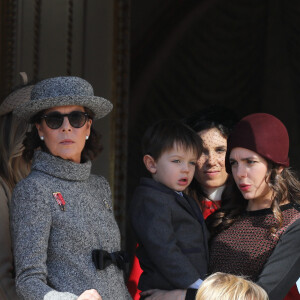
(133, 280)
(293, 294)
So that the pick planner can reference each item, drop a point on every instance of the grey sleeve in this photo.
(282, 269)
(31, 224)
(152, 223)
(54, 295)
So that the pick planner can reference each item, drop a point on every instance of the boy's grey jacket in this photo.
(52, 247)
(172, 237)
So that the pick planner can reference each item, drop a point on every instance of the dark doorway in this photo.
(186, 55)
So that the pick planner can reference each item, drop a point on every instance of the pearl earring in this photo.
(86, 137)
(42, 138)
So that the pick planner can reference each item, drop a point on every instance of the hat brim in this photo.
(15, 99)
(98, 105)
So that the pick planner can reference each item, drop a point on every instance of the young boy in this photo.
(169, 226)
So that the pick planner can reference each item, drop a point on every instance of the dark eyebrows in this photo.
(245, 158)
(250, 158)
(181, 157)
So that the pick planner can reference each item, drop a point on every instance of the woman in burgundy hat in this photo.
(256, 234)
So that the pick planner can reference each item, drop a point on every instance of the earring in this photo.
(42, 138)
(86, 137)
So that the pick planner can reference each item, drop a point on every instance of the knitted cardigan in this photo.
(53, 247)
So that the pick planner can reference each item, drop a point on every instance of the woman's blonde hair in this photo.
(222, 286)
(12, 165)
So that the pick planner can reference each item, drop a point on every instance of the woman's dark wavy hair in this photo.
(219, 117)
(33, 142)
(285, 186)
(214, 116)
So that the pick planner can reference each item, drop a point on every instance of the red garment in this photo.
(293, 294)
(209, 206)
(134, 278)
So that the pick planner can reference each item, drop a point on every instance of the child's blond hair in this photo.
(222, 286)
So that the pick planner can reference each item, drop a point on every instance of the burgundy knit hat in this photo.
(263, 134)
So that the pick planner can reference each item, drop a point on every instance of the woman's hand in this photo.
(164, 295)
(89, 295)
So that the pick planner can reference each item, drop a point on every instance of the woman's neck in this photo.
(266, 202)
(214, 194)
(258, 205)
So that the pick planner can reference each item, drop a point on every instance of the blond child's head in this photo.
(222, 286)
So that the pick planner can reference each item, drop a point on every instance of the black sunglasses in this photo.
(54, 120)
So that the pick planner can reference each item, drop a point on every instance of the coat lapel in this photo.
(199, 216)
(182, 201)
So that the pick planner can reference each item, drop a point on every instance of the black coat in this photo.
(172, 237)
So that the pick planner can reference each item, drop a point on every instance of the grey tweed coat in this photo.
(52, 247)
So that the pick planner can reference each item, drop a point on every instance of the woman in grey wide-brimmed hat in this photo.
(65, 237)
(13, 168)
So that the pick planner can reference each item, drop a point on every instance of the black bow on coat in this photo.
(103, 259)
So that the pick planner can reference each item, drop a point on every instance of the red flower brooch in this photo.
(60, 200)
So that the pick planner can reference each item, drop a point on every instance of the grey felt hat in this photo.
(15, 99)
(62, 91)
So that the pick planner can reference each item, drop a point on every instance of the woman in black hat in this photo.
(65, 237)
(213, 125)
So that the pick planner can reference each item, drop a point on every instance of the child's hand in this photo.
(164, 295)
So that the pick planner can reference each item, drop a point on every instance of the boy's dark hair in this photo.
(162, 136)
